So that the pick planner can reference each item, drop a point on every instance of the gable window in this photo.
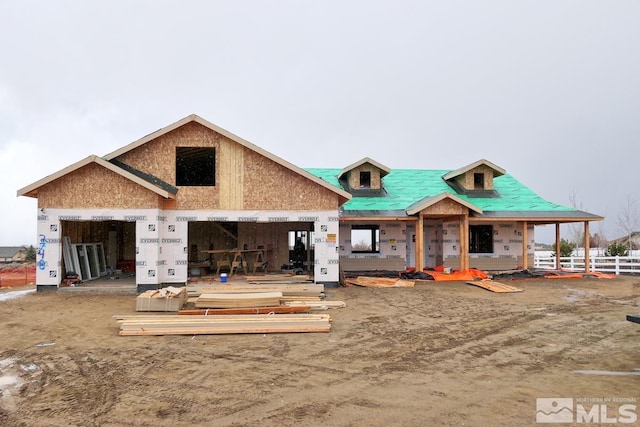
(365, 179)
(478, 181)
(365, 239)
(196, 166)
(481, 239)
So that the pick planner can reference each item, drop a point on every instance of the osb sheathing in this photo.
(269, 185)
(467, 182)
(445, 207)
(354, 176)
(244, 179)
(94, 187)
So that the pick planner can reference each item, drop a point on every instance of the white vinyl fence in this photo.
(605, 264)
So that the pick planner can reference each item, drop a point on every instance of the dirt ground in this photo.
(435, 354)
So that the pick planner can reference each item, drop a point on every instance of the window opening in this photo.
(195, 166)
(365, 239)
(480, 239)
(478, 181)
(365, 179)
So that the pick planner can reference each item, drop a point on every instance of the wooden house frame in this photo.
(156, 218)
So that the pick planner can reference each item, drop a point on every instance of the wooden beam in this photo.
(464, 242)
(557, 246)
(420, 243)
(525, 252)
(587, 243)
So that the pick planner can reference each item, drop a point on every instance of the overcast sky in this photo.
(548, 90)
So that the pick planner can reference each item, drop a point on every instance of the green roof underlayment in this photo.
(405, 187)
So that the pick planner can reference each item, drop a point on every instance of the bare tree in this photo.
(577, 232)
(628, 219)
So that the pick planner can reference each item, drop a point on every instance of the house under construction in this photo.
(193, 195)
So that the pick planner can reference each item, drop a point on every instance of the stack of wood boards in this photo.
(307, 289)
(232, 324)
(238, 300)
(165, 299)
(280, 278)
(304, 308)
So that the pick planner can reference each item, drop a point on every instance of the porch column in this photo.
(587, 243)
(464, 242)
(557, 246)
(525, 252)
(420, 243)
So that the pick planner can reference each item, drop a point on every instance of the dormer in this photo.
(475, 179)
(364, 177)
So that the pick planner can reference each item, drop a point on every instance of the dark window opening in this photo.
(480, 239)
(365, 179)
(365, 239)
(478, 181)
(195, 166)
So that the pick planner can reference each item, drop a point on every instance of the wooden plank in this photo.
(216, 331)
(248, 310)
(493, 286)
(317, 305)
(380, 282)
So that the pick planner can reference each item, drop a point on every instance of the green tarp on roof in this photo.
(405, 187)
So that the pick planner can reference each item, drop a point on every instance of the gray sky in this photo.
(548, 90)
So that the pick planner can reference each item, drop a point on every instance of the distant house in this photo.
(9, 254)
(634, 239)
(178, 198)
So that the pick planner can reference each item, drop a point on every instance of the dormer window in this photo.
(365, 179)
(478, 181)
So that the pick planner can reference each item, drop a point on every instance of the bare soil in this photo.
(439, 354)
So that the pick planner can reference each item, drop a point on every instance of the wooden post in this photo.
(587, 243)
(464, 242)
(525, 252)
(420, 243)
(557, 246)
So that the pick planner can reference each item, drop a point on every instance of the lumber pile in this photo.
(306, 289)
(280, 278)
(165, 299)
(238, 300)
(231, 324)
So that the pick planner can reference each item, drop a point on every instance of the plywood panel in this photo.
(94, 187)
(269, 185)
(445, 207)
